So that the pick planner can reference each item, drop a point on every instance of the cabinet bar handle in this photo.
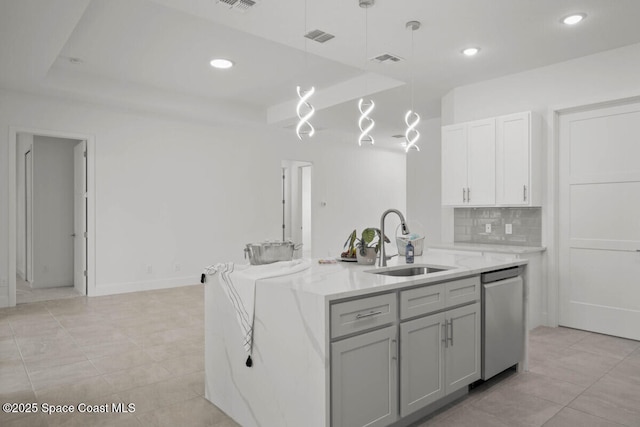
(395, 350)
(524, 193)
(464, 197)
(451, 334)
(371, 313)
(468, 194)
(444, 334)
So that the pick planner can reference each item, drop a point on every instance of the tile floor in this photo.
(26, 294)
(147, 348)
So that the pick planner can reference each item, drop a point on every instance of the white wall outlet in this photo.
(508, 229)
(177, 267)
(487, 228)
(149, 269)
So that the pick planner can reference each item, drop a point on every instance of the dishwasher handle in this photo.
(506, 273)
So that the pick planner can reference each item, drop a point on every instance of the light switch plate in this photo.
(508, 229)
(487, 228)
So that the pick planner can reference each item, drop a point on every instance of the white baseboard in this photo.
(123, 288)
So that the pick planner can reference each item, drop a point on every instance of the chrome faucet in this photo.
(405, 230)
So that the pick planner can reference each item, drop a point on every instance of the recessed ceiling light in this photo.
(221, 63)
(574, 19)
(471, 51)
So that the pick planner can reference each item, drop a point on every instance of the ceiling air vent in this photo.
(386, 58)
(319, 36)
(239, 5)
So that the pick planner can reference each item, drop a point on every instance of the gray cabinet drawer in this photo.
(420, 301)
(462, 291)
(362, 314)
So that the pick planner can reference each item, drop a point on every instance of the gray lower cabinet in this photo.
(422, 362)
(462, 359)
(364, 379)
(439, 354)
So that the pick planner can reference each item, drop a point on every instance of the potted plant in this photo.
(365, 248)
(350, 245)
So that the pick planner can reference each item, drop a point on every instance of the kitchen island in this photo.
(332, 343)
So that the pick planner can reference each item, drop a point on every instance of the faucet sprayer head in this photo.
(405, 228)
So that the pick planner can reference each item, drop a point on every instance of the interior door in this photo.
(28, 186)
(600, 220)
(80, 217)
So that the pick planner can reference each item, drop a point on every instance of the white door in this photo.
(481, 160)
(600, 220)
(454, 164)
(80, 217)
(28, 186)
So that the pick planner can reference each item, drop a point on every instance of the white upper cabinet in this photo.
(492, 162)
(469, 164)
(518, 177)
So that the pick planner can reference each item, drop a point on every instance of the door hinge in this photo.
(84, 273)
(85, 234)
(84, 154)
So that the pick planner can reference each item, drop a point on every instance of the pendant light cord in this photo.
(413, 58)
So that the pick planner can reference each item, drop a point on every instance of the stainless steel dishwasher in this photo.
(502, 320)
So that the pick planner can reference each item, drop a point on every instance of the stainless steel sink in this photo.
(409, 271)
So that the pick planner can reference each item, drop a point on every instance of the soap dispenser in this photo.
(409, 252)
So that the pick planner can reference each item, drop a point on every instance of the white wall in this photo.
(177, 196)
(53, 197)
(423, 182)
(608, 75)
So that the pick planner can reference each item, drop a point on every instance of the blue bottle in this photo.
(409, 252)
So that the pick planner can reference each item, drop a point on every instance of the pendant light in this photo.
(411, 118)
(366, 106)
(304, 109)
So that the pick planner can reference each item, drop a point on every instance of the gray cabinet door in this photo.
(421, 362)
(364, 383)
(462, 364)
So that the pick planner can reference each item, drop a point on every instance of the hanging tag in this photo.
(249, 362)
(203, 278)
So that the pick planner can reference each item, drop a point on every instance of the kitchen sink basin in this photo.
(409, 271)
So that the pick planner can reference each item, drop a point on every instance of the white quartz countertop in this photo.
(345, 279)
(483, 247)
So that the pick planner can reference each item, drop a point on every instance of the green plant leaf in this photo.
(368, 234)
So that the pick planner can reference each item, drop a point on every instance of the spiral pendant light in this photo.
(411, 118)
(304, 111)
(365, 107)
(304, 108)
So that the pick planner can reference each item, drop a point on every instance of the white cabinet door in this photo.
(481, 163)
(454, 164)
(462, 352)
(422, 362)
(514, 186)
(364, 386)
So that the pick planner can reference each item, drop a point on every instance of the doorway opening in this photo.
(296, 205)
(50, 206)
